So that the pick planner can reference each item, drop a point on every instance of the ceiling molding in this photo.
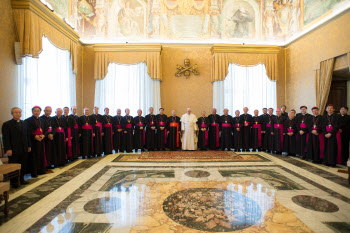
(125, 47)
(38, 8)
(224, 48)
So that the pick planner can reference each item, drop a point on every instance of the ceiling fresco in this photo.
(233, 21)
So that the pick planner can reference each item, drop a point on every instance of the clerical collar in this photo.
(16, 120)
(330, 114)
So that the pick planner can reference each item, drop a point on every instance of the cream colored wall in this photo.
(305, 55)
(180, 93)
(88, 77)
(8, 69)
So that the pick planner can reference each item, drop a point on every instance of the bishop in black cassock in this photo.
(246, 121)
(315, 144)
(214, 129)
(97, 122)
(237, 135)
(128, 129)
(303, 120)
(87, 134)
(226, 122)
(161, 123)
(60, 135)
(151, 140)
(118, 143)
(75, 133)
(139, 135)
(37, 161)
(290, 131)
(107, 129)
(17, 144)
(257, 128)
(278, 132)
(344, 128)
(174, 130)
(203, 126)
(269, 128)
(48, 140)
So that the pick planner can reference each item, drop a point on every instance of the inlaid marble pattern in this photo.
(100, 195)
(273, 178)
(315, 203)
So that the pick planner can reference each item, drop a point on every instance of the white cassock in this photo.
(189, 137)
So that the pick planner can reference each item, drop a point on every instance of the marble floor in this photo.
(258, 192)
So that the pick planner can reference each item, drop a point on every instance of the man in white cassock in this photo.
(189, 128)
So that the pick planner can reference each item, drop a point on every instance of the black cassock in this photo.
(226, 123)
(128, 128)
(344, 125)
(289, 142)
(268, 138)
(302, 125)
(59, 125)
(70, 125)
(245, 131)
(263, 118)
(140, 134)
(161, 121)
(278, 131)
(97, 124)
(15, 136)
(331, 145)
(174, 128)
(49, 144)
(203, 136)
(86, 139)
(118, 143)
(214, 129)
(75, 134)
(237, 135)
(37, 155)
(107, 138)
(257, 127)
(316, 142)
(151, 140)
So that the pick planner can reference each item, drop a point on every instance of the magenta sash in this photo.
(109, 125)
(120, 127)
(268, 125)
(165, 131)
(226, 125)
(290, 130)
(39, 131)
(76, 126)
(237, 125)
(69, 142)
(205, 133)
(92, 134)
(143, 131)
(64, 134)
(329, 129)
(280, 127)
(128, 126)
(216, 125)
(49, 130)
(258, 126)
(321, 138)
(99, 124)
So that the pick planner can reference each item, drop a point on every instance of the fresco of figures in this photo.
(203, 20)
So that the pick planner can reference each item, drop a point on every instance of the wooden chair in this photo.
(4, 195)
(9, 171)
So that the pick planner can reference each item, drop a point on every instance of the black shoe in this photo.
(24, 182)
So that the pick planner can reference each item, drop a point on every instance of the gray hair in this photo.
(14, 109)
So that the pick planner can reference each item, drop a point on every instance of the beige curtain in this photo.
(221, 61)
(349, 59)
(152, 59)
(30, 29)
(323, 78)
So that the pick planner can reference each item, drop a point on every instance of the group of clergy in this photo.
(42, 142)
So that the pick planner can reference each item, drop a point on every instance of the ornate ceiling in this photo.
(197, 21)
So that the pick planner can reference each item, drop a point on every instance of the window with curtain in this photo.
(244, 86)
(127, 86)
(46, 81)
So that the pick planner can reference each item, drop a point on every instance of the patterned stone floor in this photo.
(273, 193)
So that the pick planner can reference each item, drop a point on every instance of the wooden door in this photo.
(338, 94)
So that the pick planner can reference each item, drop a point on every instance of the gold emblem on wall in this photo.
(187, 69)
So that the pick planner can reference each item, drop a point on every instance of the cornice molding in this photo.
(128, 47)
(46, 14)
(225, 48)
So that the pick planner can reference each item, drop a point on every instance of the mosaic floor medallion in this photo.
(102, 205)
(211, 209)
(315, 203)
